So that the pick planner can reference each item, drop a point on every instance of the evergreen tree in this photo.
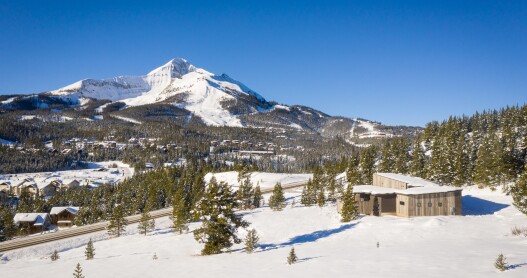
(292, 258)
(180, 211)
(90, 250)
(257, 198)
(501, 263)
(146, 223)
(277, 199)
(321, 198)
(353, 173)
(251, 241)
(78, 271)
(367, 164)
(332, 188)
(245, 193)
(349, 208)
(7, 224)
(219, 222)
(118, 223)
(519, 192)
(418, 162)
(55, 255)
(308, 197)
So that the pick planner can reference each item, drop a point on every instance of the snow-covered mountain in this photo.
(211, 97)
(188, 95)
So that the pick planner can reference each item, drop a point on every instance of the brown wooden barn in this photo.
(406, 196)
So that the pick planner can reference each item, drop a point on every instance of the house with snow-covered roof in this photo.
(32, 222)
(406, 196)
(63, 216)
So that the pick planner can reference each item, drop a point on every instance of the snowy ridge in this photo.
(177, 82)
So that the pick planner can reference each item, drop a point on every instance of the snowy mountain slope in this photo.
(178, 82)
(441, 246)
(198, 97)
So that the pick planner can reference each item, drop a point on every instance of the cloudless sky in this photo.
(398, 62)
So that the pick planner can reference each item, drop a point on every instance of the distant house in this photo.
(406, 196)
(7, 187)
(27, 185)
(63, 216)
(3, 196)
(68, 184)
(48, 189)
(32, 222)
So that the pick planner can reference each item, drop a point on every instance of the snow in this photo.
(411, 181)
(85, 176)
(38, 218)
(203, 92)
(266, 180)
(126, 119)
(372, 189)
(57, 210)
(440, 246)
(6, 142)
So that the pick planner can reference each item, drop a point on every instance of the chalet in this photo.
(406, 196)
(63, 216)
(3, 196)
(48, 189)
(27, 185)
(32, 222)
(7, 187)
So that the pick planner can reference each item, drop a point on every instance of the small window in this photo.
(429, 204)
(439, 204)
(418, 205)
(401, 203)
(365, 197)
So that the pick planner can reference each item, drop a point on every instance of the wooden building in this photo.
(63, 216)
(406, 196)
(32, 223)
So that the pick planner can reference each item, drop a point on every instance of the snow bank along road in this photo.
(77, 231)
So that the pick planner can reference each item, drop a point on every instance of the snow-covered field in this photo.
(446, 246)
(265, 180)
(85, 176)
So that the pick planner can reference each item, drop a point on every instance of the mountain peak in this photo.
(175, 68)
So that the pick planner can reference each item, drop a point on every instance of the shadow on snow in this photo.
(311, 237)
(477, 206)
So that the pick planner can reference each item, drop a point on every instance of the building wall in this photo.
(448, 203)
(401, 205)
(387, 182)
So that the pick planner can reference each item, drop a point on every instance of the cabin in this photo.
(7, 187)
(3, 196)
(32, 222)
(63, 217)
(406, 196)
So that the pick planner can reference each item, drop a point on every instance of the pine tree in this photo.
(292, 258)
(257, 198)
(180, 211)
(55, 255)
(251, 241)
(245, 193)
(78, 271)
(418, 162)
(332, 188)
(367, 164)
(277, 200)
(349, 208)
(308, 197)
(90, 250)
(147, 223)
(7, 224)
(501, 263)
(321, 198)
(219, 222)
(353, 173)
(118, 223)
(519, 192)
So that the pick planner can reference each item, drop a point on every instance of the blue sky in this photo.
(398, 62)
